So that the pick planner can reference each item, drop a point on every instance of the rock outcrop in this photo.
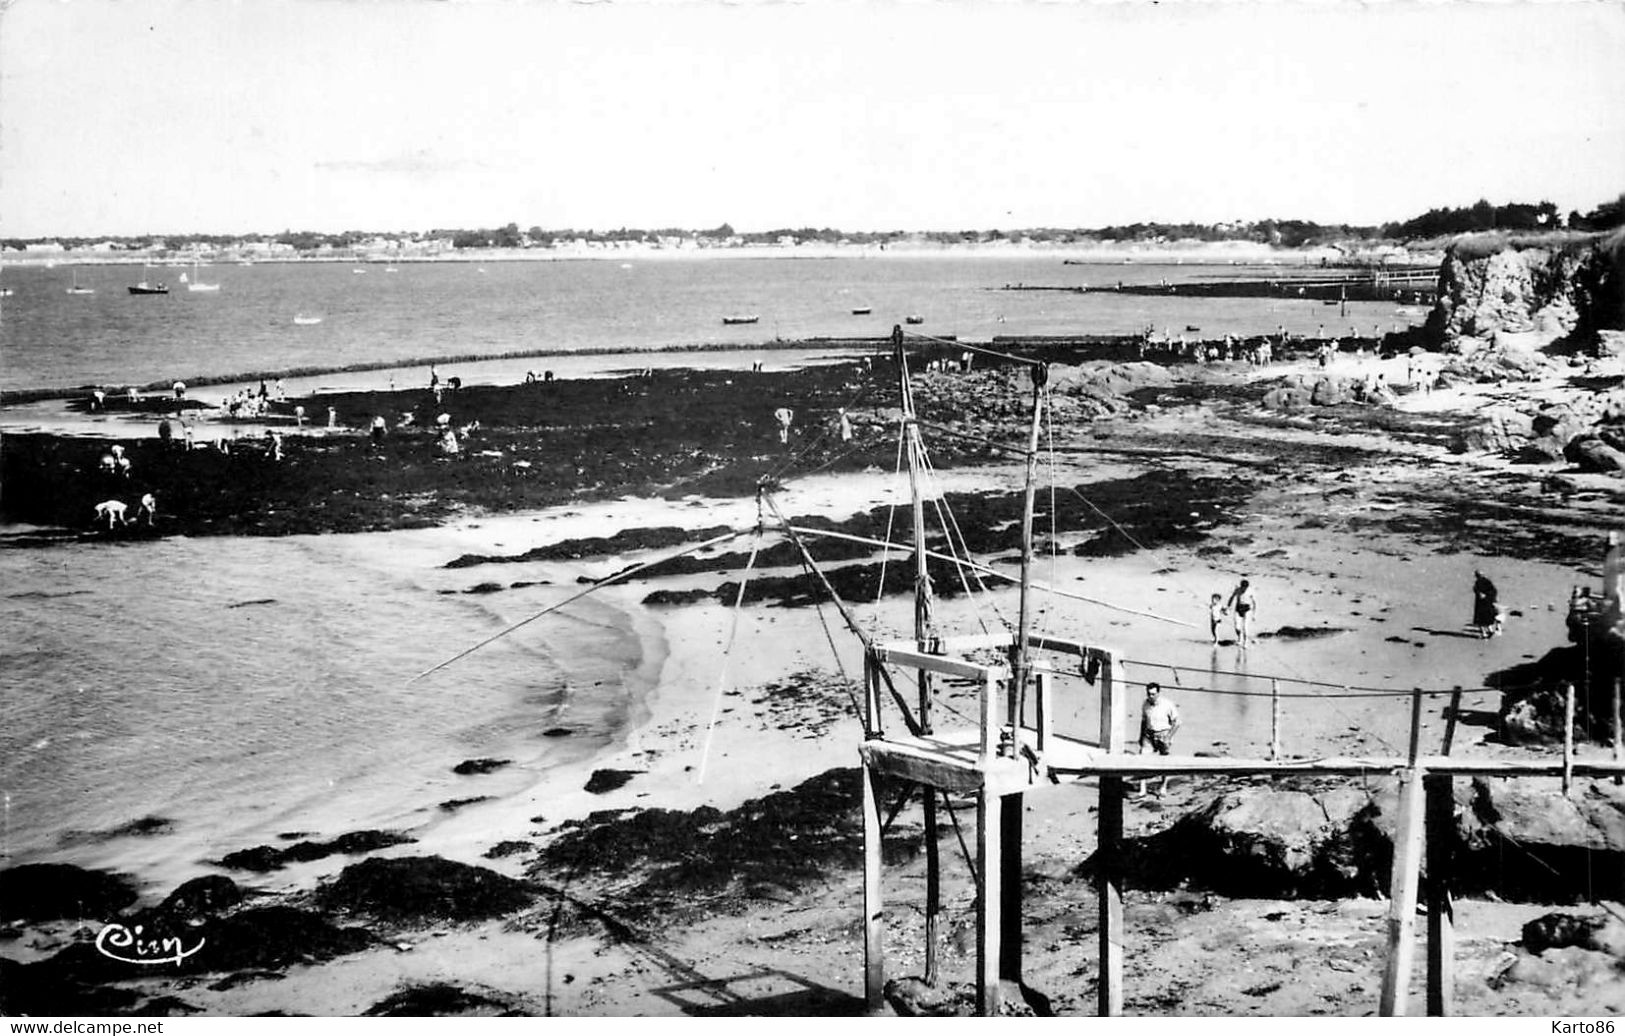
(1497, 290)
(1519, 838)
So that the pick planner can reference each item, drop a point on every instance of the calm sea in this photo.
(51, 339)
(245, 688)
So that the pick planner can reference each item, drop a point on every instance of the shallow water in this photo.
(243, 688)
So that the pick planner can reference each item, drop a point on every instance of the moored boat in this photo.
(862, 311)
(751, 319)
(914, 318)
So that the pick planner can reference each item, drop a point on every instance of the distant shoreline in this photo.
(1215, 252)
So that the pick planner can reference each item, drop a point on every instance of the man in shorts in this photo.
(1159, 722)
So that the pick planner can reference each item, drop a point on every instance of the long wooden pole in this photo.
(1568, 736)
(1109, 894)
(989, 899)
(1619, 743)
(1275, 719)
(1396, 978)
(1441, 835)
(1021, 664)
(923, 631)
(874, 929)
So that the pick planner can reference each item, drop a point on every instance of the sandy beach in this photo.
(707, 864)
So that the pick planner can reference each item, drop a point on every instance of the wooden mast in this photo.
(1021, 667)
(924, 633)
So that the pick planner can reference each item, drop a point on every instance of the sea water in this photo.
(241, 689)
(51, 339)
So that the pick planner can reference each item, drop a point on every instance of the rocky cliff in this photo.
(1544, 288)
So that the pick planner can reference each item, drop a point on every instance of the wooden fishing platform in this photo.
(1013, 750)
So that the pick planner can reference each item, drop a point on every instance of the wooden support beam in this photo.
(989, 899)
(912, 659)
(1275, 719)
(1396, 976)
(1450, 720)
(1109, 893)
(874, 960)
(1010, 907)
(933, 884)
(1619, 743)
(1441, 837)
(1568, 736)
(1112, 705)
(1044, 720)
(990, 720)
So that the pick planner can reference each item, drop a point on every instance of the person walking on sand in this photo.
(1486, 612)
(379, 425)
(1245, 605)
(1159, 722)
(148, 508)
(332, 417)
(785, 417)
(844, 424)
(1215, 612)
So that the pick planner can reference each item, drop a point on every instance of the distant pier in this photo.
(1408, 286)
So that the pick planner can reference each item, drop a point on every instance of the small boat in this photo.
(391, 269)
(862, 311)
(1192, 328)
(741, 320)
(914, 318)
(76, 289)
(306, 321)
(147, 286)
(358, 270)
(196, 283)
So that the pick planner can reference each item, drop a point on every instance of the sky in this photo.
(132, 117)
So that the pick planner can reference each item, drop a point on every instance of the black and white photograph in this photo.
(647, 509)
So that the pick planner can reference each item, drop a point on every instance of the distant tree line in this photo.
(1284, 233)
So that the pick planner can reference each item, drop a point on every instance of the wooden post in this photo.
(1441, 834)
(1109, 892)
(1618, 751)
(1021, 658)
(989, 898)
(990, 721)
(933, 885)
(1450, 720)
(1111, 705)
(1010, 888)
(1396, 977)
(1044, 720)
(1568, 736)
(874, 960)
(1275, 719)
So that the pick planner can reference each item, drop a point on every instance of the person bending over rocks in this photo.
(113, 511)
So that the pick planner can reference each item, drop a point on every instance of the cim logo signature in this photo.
(127, 946)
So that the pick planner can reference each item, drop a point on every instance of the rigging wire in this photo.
(891, 515)
(727, 652)
(590, 588)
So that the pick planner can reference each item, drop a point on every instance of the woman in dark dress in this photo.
(1486, 615)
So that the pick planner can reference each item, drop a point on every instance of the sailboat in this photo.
(76, 289)
(147, 286)
(196, 283)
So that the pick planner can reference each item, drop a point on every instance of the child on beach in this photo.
(1215, 612)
